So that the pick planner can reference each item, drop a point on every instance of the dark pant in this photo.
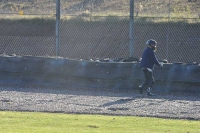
(149, 80)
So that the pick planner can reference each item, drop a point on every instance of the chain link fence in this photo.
(27, 27)
(100, 28)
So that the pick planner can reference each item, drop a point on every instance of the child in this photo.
(148, 60)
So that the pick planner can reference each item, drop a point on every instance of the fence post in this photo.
(131, 28)
(57, 27)
(167, 51)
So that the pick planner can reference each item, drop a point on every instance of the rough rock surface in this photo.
(98, 101)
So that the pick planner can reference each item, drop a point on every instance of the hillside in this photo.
(178, 8)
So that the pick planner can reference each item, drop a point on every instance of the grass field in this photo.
(32, 122)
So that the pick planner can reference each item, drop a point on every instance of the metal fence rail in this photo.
(87, 29)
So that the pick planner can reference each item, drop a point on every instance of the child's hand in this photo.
(161, 65)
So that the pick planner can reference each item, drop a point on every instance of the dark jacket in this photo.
(149, 59)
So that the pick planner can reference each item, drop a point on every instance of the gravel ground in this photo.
(98, 101)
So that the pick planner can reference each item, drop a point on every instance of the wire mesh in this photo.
(100, 28)
(27, 27)
(30, 7)
(99, 38)
(91, 29)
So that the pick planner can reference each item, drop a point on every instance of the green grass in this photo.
(32, 122)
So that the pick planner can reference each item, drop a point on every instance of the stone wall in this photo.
(63, 72)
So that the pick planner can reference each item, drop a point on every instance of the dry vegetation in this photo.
(158, 8)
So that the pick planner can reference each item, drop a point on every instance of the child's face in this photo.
(153, 46)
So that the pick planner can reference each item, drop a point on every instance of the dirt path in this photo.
(98, 101)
